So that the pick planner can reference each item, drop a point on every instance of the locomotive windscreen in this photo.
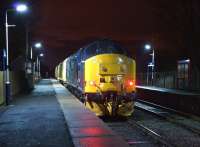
(106, 47)
(103, 47)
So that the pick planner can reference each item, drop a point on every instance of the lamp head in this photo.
(38, 45)
(21, 8)
(41, 55)
(147, 46)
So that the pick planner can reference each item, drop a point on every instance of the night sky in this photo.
(73, 24)
(64, 26)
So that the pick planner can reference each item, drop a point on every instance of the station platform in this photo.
(51, 116)
(180, 100)
(171, 91)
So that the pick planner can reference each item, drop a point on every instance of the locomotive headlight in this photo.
(130, 83)
(92, 83)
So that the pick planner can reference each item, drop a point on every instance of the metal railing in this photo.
(170, 80)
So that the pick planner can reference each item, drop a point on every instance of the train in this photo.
(103, 75)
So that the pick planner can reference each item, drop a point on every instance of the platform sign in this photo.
(183, 70)
(28, 67)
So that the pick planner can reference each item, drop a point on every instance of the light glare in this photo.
(150, 64)
(41, 55)
(188, 60)
(131, 83)
(21, 8)
(4, 54)
(92, 83)
(147, 47)
(38, 45)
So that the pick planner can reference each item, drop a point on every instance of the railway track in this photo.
(132, 133)
(137, 134)
(187, 121)
(156, 136)
(157, 126)
(152, 125)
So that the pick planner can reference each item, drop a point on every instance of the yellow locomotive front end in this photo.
(110, 84)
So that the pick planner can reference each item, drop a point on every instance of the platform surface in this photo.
(171, 91)
(86, 129)
(51, 116)
(35, 120)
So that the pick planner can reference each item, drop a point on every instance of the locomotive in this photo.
(103, 75)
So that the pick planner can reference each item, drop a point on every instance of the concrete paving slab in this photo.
(111, 141)
(85, 123)
(86, 129)
(77, 111)
(79, 117)
(34, 120)
(90, 132)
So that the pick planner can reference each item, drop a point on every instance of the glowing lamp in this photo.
(130, 83)
(92, 83)
(4, 54)
(21, 8)
(38, 45)
(147, 47)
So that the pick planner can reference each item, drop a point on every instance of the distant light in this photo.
(150, 64)
(38, 45)
(21, 8)
(4, 53)
(184, 61)
(188, 60)
(147, 47)
(41, 55)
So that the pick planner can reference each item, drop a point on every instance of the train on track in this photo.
(103, 76)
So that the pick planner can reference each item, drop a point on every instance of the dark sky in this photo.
(63, 26)
(79, 20)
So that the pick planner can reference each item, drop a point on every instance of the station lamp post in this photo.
(19, 8)
(38, 45)
(151, 64)
(41, 55)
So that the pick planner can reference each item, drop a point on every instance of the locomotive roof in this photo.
(101, 46)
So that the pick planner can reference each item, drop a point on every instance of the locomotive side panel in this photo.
(64, 69)
(72, 71)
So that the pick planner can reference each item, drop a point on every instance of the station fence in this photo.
(170, 80)
(20, 80)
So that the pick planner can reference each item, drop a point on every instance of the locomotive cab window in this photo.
(103, 47)
(106, 47)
